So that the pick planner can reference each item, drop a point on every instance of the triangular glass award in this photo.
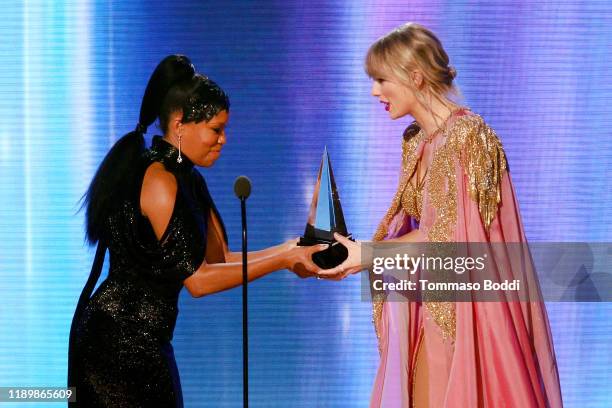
(325, 218)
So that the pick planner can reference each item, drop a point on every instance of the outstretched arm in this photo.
(212, 278)
(220, 246)
(157, 200)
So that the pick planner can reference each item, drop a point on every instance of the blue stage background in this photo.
(72, 74)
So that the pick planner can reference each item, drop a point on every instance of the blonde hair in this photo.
(408, 48)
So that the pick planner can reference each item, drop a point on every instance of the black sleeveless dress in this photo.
(120, 351)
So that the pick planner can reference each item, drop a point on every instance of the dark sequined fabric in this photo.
(122, 354)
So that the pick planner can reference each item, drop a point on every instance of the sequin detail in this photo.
(412, 199)
(410, 142)
(474, 146)
(123, 354)
(197, 111)
(477, 149)
(484, 162)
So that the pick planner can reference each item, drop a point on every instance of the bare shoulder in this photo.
(157, 196)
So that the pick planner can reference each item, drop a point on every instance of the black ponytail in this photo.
(115, 175)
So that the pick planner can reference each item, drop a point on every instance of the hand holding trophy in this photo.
(352, 264)
(326, 219)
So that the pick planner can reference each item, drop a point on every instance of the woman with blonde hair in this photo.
(454, 186)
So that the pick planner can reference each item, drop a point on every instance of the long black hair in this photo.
(173, 86)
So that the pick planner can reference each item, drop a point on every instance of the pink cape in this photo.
(480, 354)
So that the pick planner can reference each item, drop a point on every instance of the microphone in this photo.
(242, 187)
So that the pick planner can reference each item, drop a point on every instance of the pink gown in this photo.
(479, 354)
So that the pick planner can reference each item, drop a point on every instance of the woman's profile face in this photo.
(398, 99)
(202, 142)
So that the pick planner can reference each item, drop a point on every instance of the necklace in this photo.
(442, 129)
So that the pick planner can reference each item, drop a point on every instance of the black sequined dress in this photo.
(120, 351)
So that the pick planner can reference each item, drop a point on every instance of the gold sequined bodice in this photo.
(473, 146)
(412, 197)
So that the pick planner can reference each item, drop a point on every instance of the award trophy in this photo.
(325, 218)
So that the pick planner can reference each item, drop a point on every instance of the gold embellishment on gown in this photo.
(409, 159)
(412, 198)
(410, 142)
(482, 158)
(484, 163)
(442, 190)
(481, 155)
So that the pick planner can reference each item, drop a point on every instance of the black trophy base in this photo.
(329, 258)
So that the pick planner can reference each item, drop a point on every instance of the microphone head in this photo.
(242, 187)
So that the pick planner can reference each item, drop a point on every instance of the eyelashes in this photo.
(219, 129)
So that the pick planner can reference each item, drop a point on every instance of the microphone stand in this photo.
(242, 188)
(245, 326)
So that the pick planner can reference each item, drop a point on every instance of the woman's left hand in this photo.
(352, 264)
(299, 258)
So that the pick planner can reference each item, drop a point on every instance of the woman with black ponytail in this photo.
(152, 211)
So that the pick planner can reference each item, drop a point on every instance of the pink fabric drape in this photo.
(502, 354)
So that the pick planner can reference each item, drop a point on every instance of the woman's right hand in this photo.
(299, 258)
(352, 264)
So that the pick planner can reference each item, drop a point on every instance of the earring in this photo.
(179, 159)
